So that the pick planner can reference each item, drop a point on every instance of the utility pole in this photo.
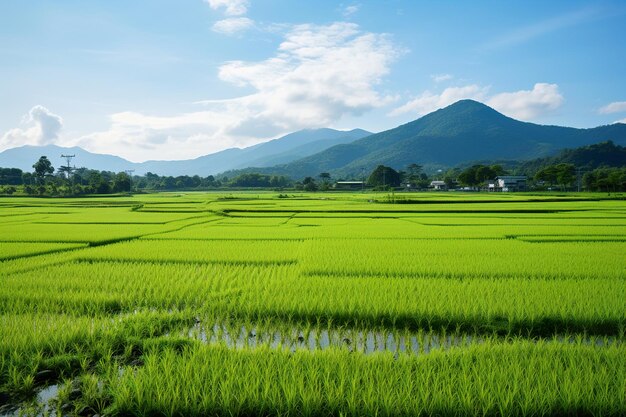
(578, 171)
(68, 167)
(129, 172)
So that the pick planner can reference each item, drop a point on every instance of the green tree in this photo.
(121, 182)
(547, 174)
(484, 173)
(325, 177)
(65, 171)
(11, 176)
(413, 174)
(450, 177)
(309, 184)
(468, 176)
(498, 170)
(383, 176)
(565, 174)
(43, 168)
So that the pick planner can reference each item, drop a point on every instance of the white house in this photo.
(439, 185)
(508, 183)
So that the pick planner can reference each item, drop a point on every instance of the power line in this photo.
(68, 167)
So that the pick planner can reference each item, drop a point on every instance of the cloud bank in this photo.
(615, 107)
(41, 127)
(318, 75)
(523, 104)
(428, 102)
(528, 104)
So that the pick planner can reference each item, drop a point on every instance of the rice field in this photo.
(317, 304)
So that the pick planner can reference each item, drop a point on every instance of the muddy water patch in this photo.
(41, 405)
(357, 340)
(363, 341)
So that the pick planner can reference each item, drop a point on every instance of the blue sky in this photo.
(175, 79)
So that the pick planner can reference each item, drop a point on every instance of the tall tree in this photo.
(121, 182)
(384, 176)
(565, 174)
(43, 168)
(309, 184)
(414, 171)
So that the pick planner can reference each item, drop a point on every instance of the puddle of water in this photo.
(40, 405)
(47, 394)
(366, 342)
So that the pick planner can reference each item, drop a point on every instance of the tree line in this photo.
(45, 180)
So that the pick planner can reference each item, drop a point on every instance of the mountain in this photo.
(25, 156)
(278, 151)
(464, 131)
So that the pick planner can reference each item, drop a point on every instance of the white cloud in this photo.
(231, 7)
(621, 121)
(615, 107)
(232, 25)
(41, 127)
(350, 10)
(528, 104)
(317, 75)
(439, 78)
(429, 102)
(523, 104)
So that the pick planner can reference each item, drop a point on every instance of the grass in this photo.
(487, 379)
(317, 304)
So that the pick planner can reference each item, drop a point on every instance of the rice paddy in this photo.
(316, 304)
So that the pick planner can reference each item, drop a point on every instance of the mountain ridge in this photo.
(284, 149)
(464, 131)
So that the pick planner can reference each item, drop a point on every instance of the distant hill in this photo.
(25, 156)
(278, 151)
(604, 154)
(464, 131)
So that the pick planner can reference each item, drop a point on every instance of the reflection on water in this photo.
(362, 341)
(40, 406)
(318, 339)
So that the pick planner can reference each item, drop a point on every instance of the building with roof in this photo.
(508, 183)
(439, 185)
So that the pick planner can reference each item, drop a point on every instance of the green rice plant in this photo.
(195, 304)
(461, 258)
(13, 250)
(506, 305)
(491, 378)
(52, 232)
(254, 252)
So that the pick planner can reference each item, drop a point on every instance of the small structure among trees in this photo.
(508, 183)
(349, 185)
(439, 185)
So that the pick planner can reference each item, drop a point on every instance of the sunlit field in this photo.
(197, 304)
